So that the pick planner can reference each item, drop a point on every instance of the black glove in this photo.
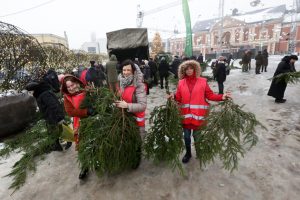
(91, 111)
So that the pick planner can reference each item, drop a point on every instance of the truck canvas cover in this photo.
(128, 43)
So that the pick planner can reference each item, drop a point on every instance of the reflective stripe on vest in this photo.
(194, 106)
(140, 119)
(193, 116)
(127, 95)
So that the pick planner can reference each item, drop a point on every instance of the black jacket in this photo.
(164, 68)
(220, 71)
(277, 88)
(48, 103)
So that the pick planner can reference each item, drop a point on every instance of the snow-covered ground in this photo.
(271, 170)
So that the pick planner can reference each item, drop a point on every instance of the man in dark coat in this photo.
(153, 70)
(111, 72)
(95, 75)
(175, 64)
(163, 72)
(277, 88)
(259, 60)
(49, 105)
(200, 58)
(265, 60)
(221, 74)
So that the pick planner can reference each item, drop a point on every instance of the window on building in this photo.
(91, 49)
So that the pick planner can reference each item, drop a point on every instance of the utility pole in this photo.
(221, 15)
(292, 35)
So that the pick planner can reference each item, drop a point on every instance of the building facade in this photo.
(274, 29)
(52, 40)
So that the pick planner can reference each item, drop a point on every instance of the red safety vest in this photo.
(83, 76)
(193, 104)
(127, 95)
(76, 101)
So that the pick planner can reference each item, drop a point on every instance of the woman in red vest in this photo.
(73, 96)
(132, 90)
(192, 95)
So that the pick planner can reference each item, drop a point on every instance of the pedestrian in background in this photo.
(278, 87)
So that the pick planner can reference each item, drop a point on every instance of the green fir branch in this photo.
(229, 132)
(34, 143)
(164, 141)
(109, 141)
(289, 77)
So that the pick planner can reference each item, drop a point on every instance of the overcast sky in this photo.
(80, 18)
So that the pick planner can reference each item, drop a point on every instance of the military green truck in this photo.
(129, 43)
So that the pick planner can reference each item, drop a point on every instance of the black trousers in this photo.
(162, 77)
(221, 87)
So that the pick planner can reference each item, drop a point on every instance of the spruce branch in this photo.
(34, 143)
(228, 133)
(109, 141)
(164, 141)
(288, 77)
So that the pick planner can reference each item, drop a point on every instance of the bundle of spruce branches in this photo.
(164, 141)
(229, 132)
(34, 143)
(289, 77)
(109, 141)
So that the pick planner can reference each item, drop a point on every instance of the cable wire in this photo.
(28, 9)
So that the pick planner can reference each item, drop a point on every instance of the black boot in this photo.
(186, 158)
(83, 173)
(56, 146)
(68, 145)
(138, 158)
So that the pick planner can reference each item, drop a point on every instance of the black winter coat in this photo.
(164, 68)
(220, 71)
(259, 59)
(277, 88)
(51, 109)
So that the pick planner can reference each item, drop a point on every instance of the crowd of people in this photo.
(132, 80)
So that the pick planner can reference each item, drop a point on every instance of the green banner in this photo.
(188, 40)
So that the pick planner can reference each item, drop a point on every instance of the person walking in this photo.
(259, 61)
(112, 74)
(277, 88)
(265, 60)
(221, 74)
(192, 94)
(163, 72)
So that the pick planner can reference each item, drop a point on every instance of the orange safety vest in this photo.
(127, 95)
(193, 104)
(76, 101)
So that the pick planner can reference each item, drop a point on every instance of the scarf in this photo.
(126, 81)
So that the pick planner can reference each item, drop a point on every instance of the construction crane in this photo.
(141, 14)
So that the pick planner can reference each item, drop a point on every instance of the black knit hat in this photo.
(294, 57)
